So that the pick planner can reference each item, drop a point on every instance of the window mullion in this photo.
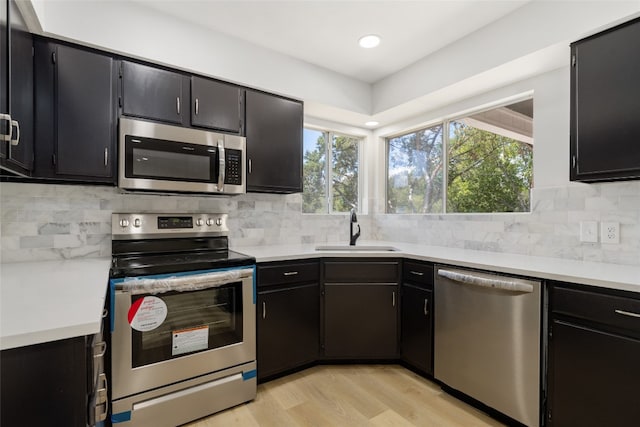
(445, 163)
(329, 171)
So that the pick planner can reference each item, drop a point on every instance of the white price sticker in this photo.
(188, 340)
(147, 313)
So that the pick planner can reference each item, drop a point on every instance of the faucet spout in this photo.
(353, 237)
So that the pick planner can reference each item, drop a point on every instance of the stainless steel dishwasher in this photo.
(487, 339)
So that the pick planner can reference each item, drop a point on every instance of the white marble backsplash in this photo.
(50, 221)
(552, 228)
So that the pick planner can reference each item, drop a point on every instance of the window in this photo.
(488, 164)
(330, 186)
(414, 178)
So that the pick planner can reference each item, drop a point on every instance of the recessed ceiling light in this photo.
(372, 123)
(369, 41)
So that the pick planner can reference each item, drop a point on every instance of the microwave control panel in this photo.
(233, 161)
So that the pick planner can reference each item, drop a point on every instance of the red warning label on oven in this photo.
(147, 313)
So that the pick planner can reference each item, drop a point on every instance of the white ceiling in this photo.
(325, 33)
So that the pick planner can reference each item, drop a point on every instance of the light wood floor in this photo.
(351, 395)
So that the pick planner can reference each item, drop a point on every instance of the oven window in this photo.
(196, 321)
(167, 164)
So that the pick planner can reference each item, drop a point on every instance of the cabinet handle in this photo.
(393, 298)
(426, 304)
(250, 166)
(106, 156)
(178, 104)
(101, 399)
(573, 161)
(627, 313)
(197, 106)
(264, 310)
(417, 273)
(99, 349)
(7, 136)
(16, 140)
(290, 273)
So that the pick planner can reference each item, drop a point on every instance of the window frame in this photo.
(329, 134)
(445, 122)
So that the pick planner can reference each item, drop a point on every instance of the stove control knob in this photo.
(124, 223)
(137, 222)
(219, 222)
(199, 222)
(210, 222)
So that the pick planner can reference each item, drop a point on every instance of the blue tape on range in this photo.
(121, 417)
(249, 374)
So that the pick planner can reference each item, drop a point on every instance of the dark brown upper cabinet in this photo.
(154, 93)
(605, 105)
(16, 91)
(216, 105)
(274, 143)
(75, 113)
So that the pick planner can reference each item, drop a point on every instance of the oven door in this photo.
(168, 329)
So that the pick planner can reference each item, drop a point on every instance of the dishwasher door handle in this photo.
(470, 279)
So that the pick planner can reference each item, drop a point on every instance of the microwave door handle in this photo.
(221, 165)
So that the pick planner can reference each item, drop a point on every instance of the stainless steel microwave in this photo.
(157, 157)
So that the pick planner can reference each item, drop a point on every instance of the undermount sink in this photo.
(356, 248)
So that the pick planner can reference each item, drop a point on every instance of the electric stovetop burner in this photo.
(148, 244)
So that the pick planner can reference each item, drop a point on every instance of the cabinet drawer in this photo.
(610, 310)
(277, 274)
(361, 271)
(418, 272)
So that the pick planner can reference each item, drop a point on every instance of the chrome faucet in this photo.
(353, 237)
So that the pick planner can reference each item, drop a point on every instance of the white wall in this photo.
(137, 31)
(534, 29)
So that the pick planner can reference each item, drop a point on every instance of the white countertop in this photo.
(612, 276)
(51, 300)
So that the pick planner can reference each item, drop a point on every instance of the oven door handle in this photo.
(189, 282)
(473, 280)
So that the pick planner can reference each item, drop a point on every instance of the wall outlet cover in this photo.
(610, 232)
(589, 231)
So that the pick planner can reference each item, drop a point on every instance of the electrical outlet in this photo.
(589, 231)
(610, 232)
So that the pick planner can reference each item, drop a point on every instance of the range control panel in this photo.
(147, 225)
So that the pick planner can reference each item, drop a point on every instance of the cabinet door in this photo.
(605, 105)
(4, 77)
(216, 105)
(593, 378)
(152, 93)
(416, 326)
(44, 384)
(85, 128)
(288, 325)
(20, 156)
(360, 321)
(16, 90)
(274, 143)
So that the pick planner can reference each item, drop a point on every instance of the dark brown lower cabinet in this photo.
(594, 354)
(361, 321)
(360, 308)
(45, 384)
(417, 327)
(287, 318)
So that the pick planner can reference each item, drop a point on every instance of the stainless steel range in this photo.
(183, 335)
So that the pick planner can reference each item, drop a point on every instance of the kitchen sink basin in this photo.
(348, 248)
